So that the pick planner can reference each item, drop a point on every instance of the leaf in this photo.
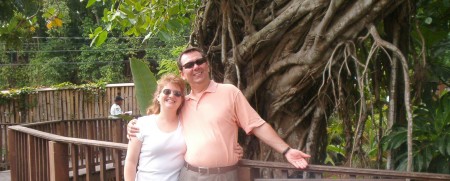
(90, 3)
(49, 25)
(108, 26)
(336, 149)
(418, 162)
(442, 145)
(98, 30)
(125, 117)
(57, 22)
(448, 145)
(164, 35)
(428, 20)
(144, 82)
(402, 165)
(101, 38)
(130, 31)
(398, 139)
(46, 15)
(329, 160)
(428, 157)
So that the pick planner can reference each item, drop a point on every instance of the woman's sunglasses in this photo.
(189, 65)
(168, 92)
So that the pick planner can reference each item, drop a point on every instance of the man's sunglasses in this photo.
(189, 65)
(168, 92)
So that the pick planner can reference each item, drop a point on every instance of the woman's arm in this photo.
(131, 161)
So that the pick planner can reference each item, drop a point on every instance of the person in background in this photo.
(115, 108)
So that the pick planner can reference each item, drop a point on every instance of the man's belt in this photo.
(213, 170)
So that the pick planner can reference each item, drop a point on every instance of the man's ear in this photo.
(209, 68)
(182, 75)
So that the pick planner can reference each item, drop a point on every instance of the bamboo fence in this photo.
(67, 104)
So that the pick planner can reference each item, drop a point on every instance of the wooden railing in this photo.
(37, 155)
(252, 170)
(4, 161)
(42, 151)
(103, 129)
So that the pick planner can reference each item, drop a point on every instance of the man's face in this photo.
(198, 74)
(119, 102)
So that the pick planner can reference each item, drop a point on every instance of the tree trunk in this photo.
(295, 61)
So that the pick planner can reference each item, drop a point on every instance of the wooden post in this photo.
(118, 164)
(103, 164)
(12, 154)
(74, 159)
(59, 162)
(90, 130)
(247, 173)
(31, 156)
(61, 128)
(284, 174)
(117, 130)
(90, 166)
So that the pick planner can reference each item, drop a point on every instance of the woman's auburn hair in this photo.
(155, 108)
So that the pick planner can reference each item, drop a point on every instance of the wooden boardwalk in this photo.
(63, 149)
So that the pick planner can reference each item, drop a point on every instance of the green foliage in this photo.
(14, 94)
(335, 153)
(432, 21)
(168, 66)
(93, 88)
(431, 137)
(145, 17)
(102, 63)
(144, 82)
(17, 27)
(51, 65)
(12, 75)
(21, 95)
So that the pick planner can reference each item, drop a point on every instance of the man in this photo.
(115, 108)
(210, 118)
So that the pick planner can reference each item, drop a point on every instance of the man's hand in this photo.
(239, 151)
(132, 129)
(297, 158)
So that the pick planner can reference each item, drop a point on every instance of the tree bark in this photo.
(292, 60)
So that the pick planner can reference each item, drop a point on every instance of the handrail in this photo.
(58, 121)
(57, 138)
(8, 124)
(39, 155)
(253, 164)
(346, 170)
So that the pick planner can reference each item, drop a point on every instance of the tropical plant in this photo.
(144, 82)
(431, 137)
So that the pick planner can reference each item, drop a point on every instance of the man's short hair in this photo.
(118, 98)
(189, 50)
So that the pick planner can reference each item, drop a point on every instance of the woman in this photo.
(159, 147)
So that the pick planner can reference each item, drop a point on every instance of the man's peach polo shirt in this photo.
(210, 125)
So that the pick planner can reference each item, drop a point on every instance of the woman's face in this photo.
(170, 97)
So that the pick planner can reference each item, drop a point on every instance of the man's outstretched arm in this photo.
(268, 135)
